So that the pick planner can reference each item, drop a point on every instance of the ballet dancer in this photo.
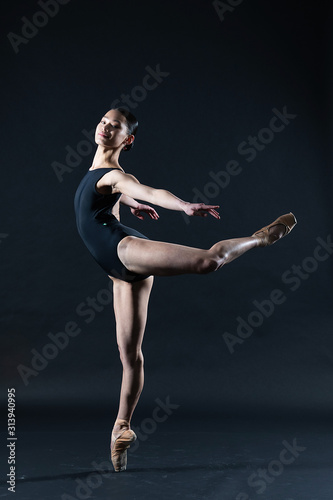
(131, 260)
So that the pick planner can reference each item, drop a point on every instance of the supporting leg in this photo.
(130, 307)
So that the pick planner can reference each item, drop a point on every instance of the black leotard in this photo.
(99, 228)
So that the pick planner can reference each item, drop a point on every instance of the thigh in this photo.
(130, 302)
(159, 258)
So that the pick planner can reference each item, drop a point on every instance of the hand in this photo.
(201, 210)
(145, 209)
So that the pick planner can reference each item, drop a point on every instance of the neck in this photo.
(106, 157)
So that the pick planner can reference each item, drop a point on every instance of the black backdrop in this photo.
(204, 81)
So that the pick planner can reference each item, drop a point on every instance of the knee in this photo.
(207, 265)
(131, 357)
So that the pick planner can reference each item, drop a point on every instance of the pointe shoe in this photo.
(288, 221)
(120, 442)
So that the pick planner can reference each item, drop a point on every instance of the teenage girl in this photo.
(131, 260)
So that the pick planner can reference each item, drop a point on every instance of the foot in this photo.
(121, 439)
(275, 231)
(120, 425)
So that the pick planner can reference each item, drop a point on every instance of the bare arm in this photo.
(129, 202)
(138, 209)
(128, 185)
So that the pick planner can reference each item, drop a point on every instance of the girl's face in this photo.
(111, 132)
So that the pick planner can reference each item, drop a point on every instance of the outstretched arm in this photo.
(137, 208)
(131, 187)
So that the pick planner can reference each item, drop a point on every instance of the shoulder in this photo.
(115, 179)
(115, 176)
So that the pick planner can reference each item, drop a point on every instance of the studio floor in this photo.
(223, 459)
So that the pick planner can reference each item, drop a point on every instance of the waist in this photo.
(107, 216)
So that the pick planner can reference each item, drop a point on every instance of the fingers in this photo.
(139, 213)
(212, 211)
(153, 214)
(203, 212)
(215, 214)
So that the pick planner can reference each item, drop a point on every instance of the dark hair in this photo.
(131, 122)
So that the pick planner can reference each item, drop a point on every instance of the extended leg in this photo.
(166, 259)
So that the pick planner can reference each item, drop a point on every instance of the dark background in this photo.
(225, 77)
